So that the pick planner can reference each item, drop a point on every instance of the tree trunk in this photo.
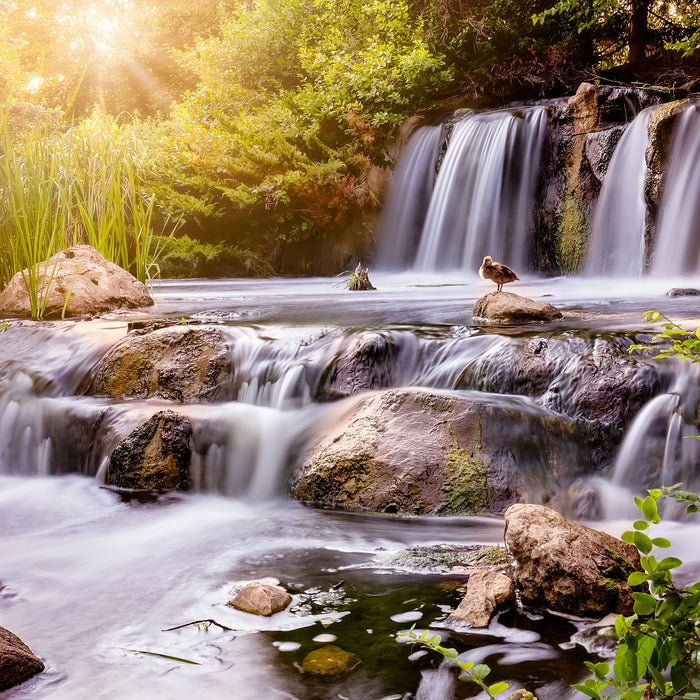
(638, 33)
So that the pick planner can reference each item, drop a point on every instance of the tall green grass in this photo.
(85, 184)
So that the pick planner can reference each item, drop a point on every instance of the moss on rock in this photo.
(466, 486)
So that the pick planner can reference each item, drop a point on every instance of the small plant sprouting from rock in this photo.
(476, 673)
(356, 281)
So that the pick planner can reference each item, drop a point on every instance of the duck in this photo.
(496, 272)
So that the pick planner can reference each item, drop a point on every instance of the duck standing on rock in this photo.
(496, 272)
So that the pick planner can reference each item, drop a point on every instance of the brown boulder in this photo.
(17, 663)
(81, 275)
(506, 306)
(487, 593)
(261, 598)
(568, 567)
(156, 455)
(177, 363)
(415, 451)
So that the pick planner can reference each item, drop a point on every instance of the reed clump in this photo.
(87, 183)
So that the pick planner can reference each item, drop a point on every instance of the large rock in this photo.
(506, 306)
(156, 455)
(568, 567)
(80, 279)
(487, 593)
(17, 663)
(261, 598)
(177, 363)
(603, 390)
(414, 451)
(590, 378)
(366, 362)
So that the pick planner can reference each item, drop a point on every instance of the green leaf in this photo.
(601, 669)
(481, 671)
(661, 542)
(650, 510)
(642, 542)
(636, 578)
(641, 525)
(592, 692)
(451, 654)
(626, 664)
(497, 688)
(644, 604)
(669, 563)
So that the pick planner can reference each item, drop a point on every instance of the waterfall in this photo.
(482, 201)
(619, 222)
(677, 242)
(404, 211)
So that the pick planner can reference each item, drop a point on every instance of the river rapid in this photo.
(104, 587)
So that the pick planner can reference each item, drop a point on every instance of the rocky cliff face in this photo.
(583, 133)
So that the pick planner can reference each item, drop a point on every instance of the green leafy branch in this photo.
(684, 345)
(659, 651)
(476, 673)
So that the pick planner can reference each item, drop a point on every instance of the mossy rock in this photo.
(329, 661)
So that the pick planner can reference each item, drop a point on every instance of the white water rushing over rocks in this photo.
(124, 595)
(617, 237)
(94, 582)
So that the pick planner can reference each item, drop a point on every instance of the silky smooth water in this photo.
(95, 583)
(617, 245)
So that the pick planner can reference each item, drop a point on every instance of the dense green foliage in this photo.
(293, 109)
(476, 674)
(266, 127)
(627, 30)
(60, 187)
(659, 651)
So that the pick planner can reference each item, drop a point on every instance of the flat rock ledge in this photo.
(506, 306)
(17, 663)
(567, 567)
(261, 598)
(75, 282)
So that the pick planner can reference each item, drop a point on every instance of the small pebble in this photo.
(324, 638)
(410, 616)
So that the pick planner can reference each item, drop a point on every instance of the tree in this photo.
(656, 23)
(294, 104)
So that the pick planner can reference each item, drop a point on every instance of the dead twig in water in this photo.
(207, 622)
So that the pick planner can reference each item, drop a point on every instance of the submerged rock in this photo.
(261, 598)
(177, 363)
(329, 660)
(568, 567)
(79, 279)
(487, 593)
(17, 663)
(156, 455)
(506, 306)
(415, 451)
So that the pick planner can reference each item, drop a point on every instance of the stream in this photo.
(105, 588)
